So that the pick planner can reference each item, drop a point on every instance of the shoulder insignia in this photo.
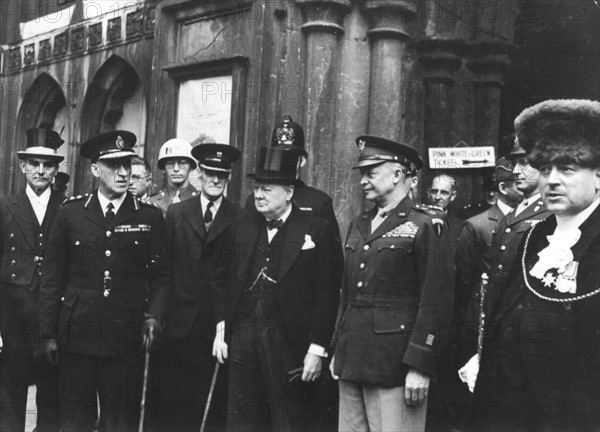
(306, 208)
(438, 226)
(75, 198)
(407, 229)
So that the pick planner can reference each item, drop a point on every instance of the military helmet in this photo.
(175, 148)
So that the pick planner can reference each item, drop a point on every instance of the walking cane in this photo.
(210, 395)
(145, 386)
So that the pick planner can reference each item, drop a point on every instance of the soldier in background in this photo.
(26, 220)
(396, 297)
(105, 287)
(141, 178)
(176, 161)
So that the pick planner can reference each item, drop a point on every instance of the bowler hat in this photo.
(42, 143)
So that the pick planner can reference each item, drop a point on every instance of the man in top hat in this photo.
(540, 365)
(26, 219)
(176, 161)
(396, 297)
(195, 242)
(277, 303)
(104, 288)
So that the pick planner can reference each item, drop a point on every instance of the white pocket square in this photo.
(308, 243)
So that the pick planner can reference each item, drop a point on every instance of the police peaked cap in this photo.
(109, 145)
(216, 157)
(375, 150)
(42, 143)
(289, 134)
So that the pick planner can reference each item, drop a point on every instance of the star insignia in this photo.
(361, 146)
(549, 279)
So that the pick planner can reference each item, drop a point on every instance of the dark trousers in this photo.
(20, 364)
(181, 375)
(115, 382)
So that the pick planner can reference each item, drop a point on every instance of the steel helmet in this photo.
(175, 148)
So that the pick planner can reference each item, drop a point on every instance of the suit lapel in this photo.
(364, 223)
(222, 219)
(192, 213)
(23, 215)
(247, 234)
(494, 213)
(55, 201)
(294, 235)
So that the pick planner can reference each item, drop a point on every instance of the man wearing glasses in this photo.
(104, 289)
(26, 219)
(141, 178)
(176, 161)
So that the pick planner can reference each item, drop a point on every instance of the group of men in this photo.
(249, 315)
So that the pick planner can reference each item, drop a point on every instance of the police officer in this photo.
(176, 161)
(26, 219)
(394, 301)
(105, 287)
(195, 243)
(540, 364)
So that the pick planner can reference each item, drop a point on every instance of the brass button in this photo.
(402, 326)
(360, 284)
(136, 242)
(366, 247)
(500, 266)
(392, 246)
(77, 243)
(507, 230)
(12, 249)
(108, 253)
(13, 262)
(108, 233)
(520, 307)
(362, 265)
(13, 276)
(11, 235)
(41, 235)
(503, 247)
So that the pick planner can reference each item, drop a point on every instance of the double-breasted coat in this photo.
(540, 364)
(397, 296)
(102, 278)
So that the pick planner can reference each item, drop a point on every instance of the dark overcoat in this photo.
(397, 297)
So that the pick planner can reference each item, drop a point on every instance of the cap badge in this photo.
(119, 142)
(285, 135)
(361, 146)
(219, 154)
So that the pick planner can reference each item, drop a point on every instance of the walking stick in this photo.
(210, 395)
(145, 385)
(482, 292)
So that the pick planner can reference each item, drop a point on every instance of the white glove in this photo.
(219, 346)
(468, 373)
(1, 343)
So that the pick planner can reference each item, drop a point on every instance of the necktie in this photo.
(522, 206)
(176, 198)
(274, 224)
(379, 217)
(208, 216)
(110, 214)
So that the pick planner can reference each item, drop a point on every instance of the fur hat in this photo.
(561, 131)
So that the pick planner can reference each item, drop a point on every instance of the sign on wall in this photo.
(461, 157)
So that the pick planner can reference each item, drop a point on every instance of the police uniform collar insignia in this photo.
(361, 146)
(119, 142)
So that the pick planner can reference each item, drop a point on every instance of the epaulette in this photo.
(429, 210)
(148, 203)
(76, 198)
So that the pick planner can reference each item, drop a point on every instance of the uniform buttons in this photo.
(366, 247)
(500, 266)
(108, 233)
(360, 284)
(41, 244)
(136, 242)
(503, 247)
(362, 265)
(507, 230)
(40, 273)
(392, 246)
(12, 249)
(41, 235)
(77, 243)
(13, 262)
(62, 299)
(402, 326)
(11, 235)
(520, 307)
(108, 253)
(268, 259)
(13, 276)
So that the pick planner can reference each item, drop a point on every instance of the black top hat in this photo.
(42, 143)
(278, 165)
(289, 135)
(216, 157)
(109, 145)
(376, 150)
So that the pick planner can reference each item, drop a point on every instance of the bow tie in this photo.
(274, 224)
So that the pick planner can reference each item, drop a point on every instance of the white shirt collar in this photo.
(285, 214)
(567, 223)
(504, 208)
(216, 203)
(116, 202)
(42, 199)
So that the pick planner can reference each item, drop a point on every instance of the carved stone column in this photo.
(322, 27)
(388, 35)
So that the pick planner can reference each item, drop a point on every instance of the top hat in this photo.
(109, 145)
(216, 157)
(42, 143)
(289, 134)
(278, 165)
(375, 150)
